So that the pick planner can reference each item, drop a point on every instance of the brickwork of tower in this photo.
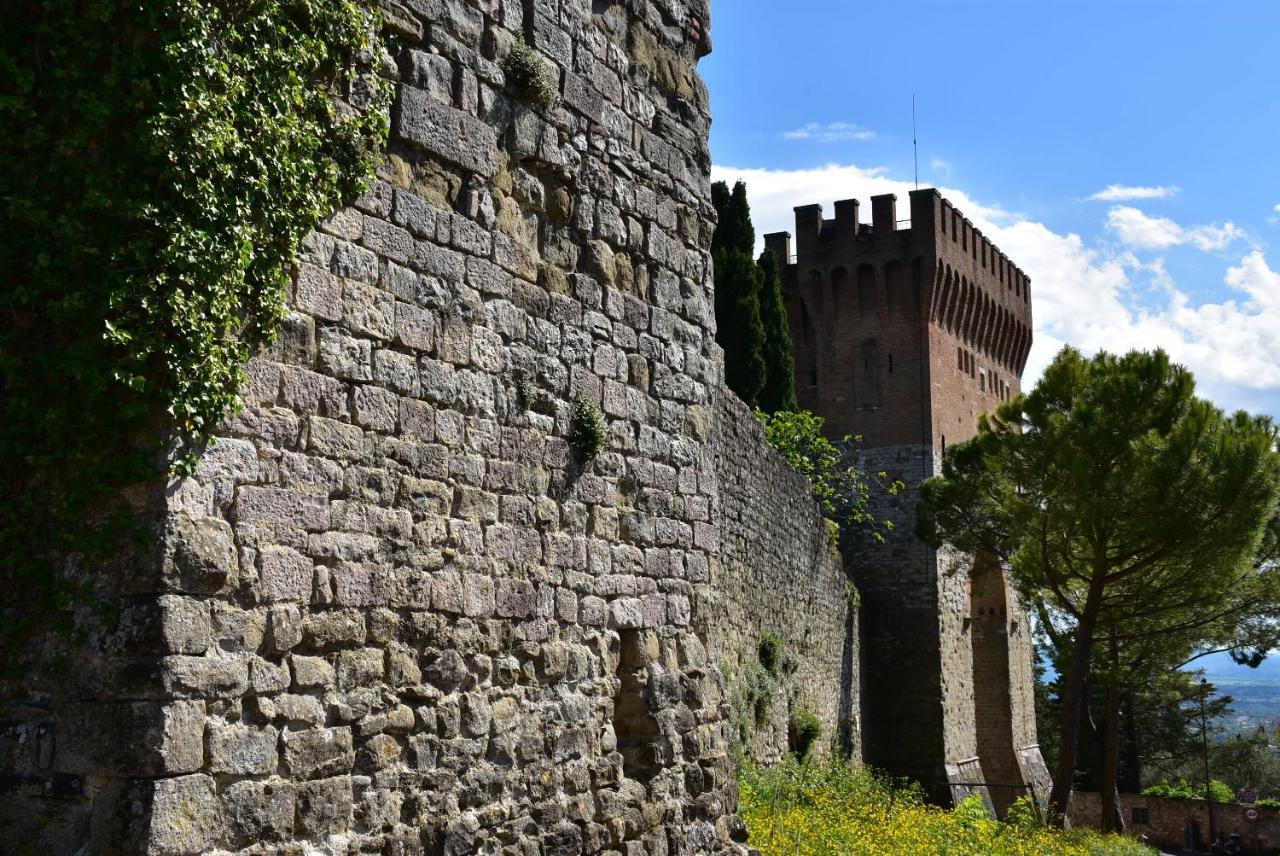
(904, 332)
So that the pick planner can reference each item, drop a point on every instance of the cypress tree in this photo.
(740, 331)
(779, 391)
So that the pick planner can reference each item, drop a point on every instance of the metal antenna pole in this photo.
(915, 141)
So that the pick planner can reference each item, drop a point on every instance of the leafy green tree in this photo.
(1123, 505)
(779, 391)
(738, 281)
(842, 488)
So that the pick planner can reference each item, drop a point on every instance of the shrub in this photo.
(840, 809)
(841, 487)
(529, 76)
(1184, 790)
(770, 650)
(805, 729)
(588, 432)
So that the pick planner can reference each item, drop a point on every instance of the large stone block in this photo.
(457, 137)
(186, 817)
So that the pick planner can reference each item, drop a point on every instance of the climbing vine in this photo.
(161, 164)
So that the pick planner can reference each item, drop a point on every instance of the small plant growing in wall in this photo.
(770, 652)
(841, 486)
(588, 432)
(530, 77)
(804, 729)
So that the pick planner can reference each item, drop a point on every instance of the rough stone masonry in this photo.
(393, 611)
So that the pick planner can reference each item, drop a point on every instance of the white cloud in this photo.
(1123, 193)
(1277, 208)
(1142, 231)
(1093, 296)
(941, 166)
(832, 132)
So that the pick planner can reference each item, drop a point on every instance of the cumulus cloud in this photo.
(1123, 193)
(1092, 295)
(1145, 232)
(832, 132)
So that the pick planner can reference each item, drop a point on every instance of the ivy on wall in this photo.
(160, 165)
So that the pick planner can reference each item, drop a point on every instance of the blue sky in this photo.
(1122, 152)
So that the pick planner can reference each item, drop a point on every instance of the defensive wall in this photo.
(393, 610)
(778, 573)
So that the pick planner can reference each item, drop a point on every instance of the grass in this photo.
(839, 809)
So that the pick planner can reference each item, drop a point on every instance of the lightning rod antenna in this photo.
(915, 142)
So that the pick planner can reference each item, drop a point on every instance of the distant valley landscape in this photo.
(1256, 692)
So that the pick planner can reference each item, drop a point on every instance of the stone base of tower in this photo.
(948, 692)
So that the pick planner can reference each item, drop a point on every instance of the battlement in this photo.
(934, 222)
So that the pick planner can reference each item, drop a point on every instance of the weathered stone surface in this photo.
(186, 817)
(242, 750)
(317, 752)
(451, 134)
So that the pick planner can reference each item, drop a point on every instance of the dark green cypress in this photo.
(779, 391)
(740, 331)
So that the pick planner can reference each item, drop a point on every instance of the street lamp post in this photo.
(1204, 743)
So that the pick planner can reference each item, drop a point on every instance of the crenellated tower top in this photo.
(903, 331)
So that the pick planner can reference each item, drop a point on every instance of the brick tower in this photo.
(903, 332)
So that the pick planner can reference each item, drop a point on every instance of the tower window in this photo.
(813, 377)
(891, 364)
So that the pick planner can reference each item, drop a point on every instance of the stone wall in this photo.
(778, 573)
(393, 610)
(1167, 822)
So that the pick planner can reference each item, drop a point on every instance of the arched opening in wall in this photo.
(993, 703)
(988, 316)
(953, 300)
(893, 295)
(839, 290)
(941, 311)
(866, 290)
(807, 359)
(813, 290)
(634, 725)
(969, 310)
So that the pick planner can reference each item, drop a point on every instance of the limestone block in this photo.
(200, 554)
(317, 752)
(324, 807)
(284, 575)
(186, 817)
(242, 750)
(205, 677)
(185, 624)
(256, 811)
(313, 673)
(458, 137)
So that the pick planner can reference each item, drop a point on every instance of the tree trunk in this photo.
(1108, 793)
(1130, 777)
(1073, 700)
